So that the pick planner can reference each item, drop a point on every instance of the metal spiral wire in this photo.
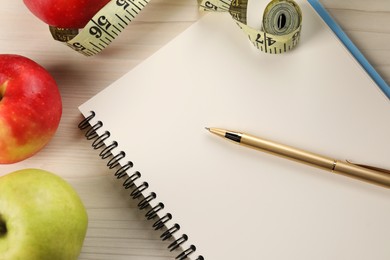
(138, 191)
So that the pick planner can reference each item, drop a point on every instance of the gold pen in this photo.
(362, 172)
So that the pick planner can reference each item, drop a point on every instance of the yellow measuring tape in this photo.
(102, 29)
(282, 23)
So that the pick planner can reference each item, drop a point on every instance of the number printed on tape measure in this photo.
(220, 6)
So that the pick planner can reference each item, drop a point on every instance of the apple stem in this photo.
(3, 86)
(2, 90)
(3, 227)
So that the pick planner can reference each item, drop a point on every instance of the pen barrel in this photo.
(340, 167)
(362, 173)
(288, 152)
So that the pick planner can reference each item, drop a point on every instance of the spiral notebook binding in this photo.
(138, 191)
(99, 142)
(161, 222)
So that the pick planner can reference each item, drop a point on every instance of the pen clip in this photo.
(370, 167)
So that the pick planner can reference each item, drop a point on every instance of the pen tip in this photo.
(207, 128)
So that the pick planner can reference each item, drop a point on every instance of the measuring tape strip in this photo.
(102, 29)
(282, 22)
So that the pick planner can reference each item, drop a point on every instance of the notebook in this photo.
(217, 200)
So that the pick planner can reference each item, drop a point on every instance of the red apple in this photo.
(65, 13)
(30, 108)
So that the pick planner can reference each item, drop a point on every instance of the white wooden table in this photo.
(117, 229)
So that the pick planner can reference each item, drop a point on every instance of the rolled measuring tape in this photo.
(282, 22)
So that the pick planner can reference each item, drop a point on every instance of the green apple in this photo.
(41, 217)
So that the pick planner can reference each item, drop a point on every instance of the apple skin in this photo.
(30, 108)
(65, 13)
(41, 217)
